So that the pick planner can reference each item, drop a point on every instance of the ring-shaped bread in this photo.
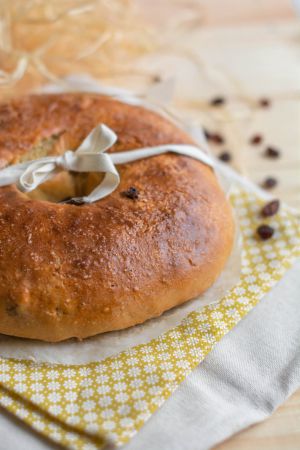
(75, 271)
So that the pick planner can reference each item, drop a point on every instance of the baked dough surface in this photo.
(75, 271)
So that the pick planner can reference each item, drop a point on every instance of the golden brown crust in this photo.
(81, 270)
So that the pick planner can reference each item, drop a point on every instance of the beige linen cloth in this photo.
(243, 380)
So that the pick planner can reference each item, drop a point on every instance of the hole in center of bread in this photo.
(65, 184)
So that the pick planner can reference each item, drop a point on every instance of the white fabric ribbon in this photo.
(90, 157)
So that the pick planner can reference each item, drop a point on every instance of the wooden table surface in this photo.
(263, 59)
(280, 431)
(245, 51)
(279, 126)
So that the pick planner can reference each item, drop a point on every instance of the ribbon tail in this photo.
(146, 152)
(10, 177)
(109, 184)
(101, 163)
(11, 174)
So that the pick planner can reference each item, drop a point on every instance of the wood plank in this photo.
(280, 431)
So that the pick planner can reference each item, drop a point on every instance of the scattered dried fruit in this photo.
(156, 78)
(270, 209)
(264, 102)
(217, 101)
(256, 139)
(272, 152)
(265, 232)
(207, 133)
(269, 183)
(225, 157)
(217, 138)
(132, 193)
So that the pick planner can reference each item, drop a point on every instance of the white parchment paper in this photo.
(108, 344)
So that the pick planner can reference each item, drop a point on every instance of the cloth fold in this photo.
(242, 381)
(220, 397)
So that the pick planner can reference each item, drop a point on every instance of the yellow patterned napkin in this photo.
(101, 403)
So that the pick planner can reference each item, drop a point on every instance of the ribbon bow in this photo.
(90, 157)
